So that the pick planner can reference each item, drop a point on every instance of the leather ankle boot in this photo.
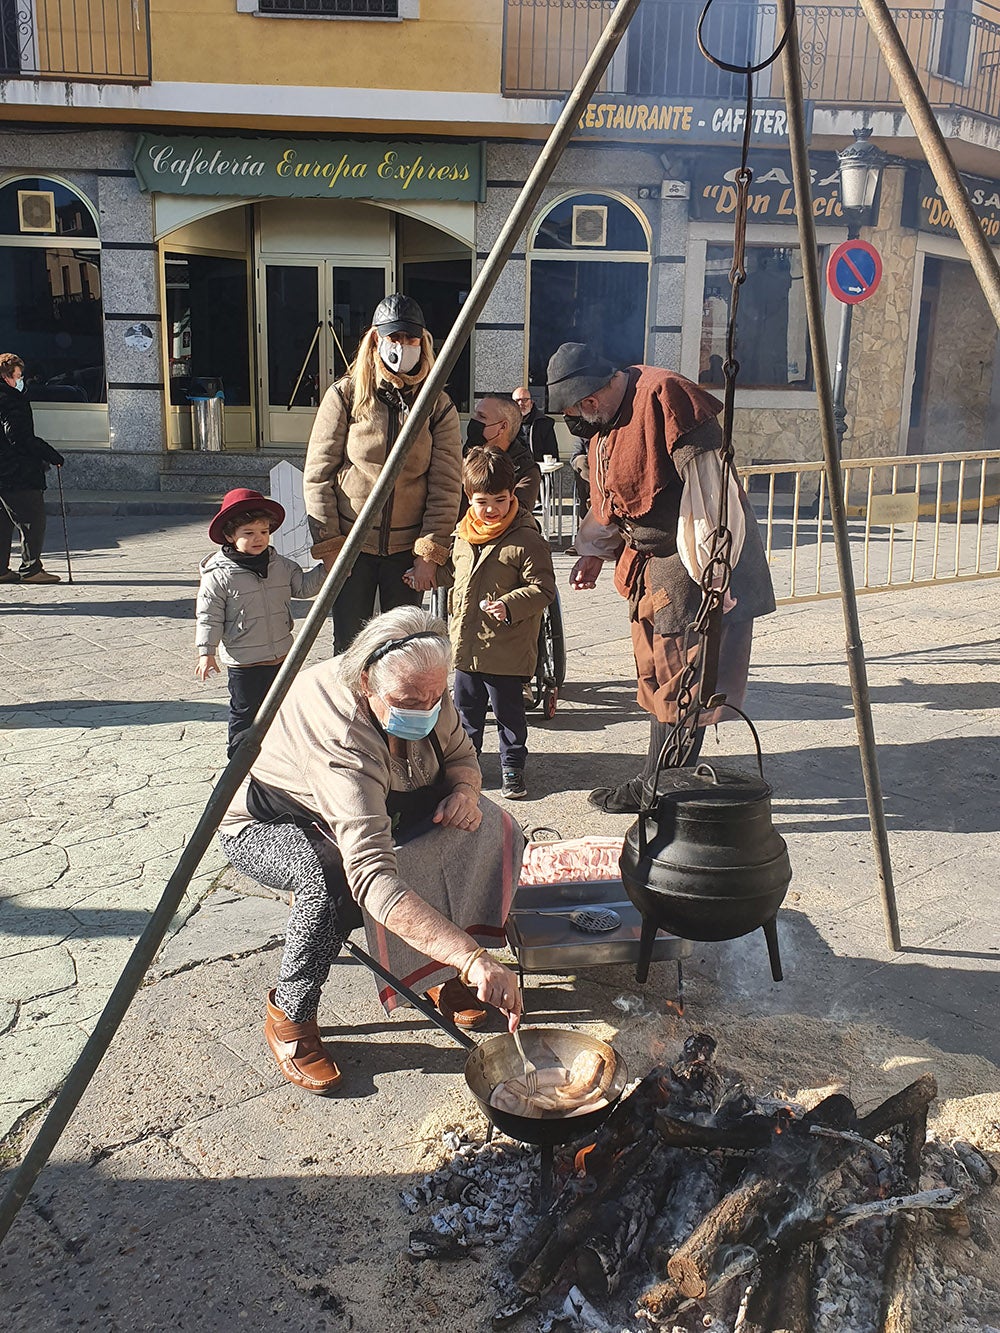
(301, 1056)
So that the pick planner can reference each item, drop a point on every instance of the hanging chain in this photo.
(696, 689)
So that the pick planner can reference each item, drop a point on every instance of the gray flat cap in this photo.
(574, 371)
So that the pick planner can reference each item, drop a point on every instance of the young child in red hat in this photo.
(244, 603)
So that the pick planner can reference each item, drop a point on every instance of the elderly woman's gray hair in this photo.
(418, 657)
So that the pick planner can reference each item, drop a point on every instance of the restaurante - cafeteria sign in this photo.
(309, 168)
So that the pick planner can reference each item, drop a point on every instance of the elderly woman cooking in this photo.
(365, 785)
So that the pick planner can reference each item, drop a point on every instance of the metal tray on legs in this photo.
(553, 944)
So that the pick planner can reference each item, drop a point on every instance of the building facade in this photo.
(214, 197)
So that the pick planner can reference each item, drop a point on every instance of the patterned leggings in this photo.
(283, 858)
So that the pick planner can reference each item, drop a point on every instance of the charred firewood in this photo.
(900, 1107)
(749, 1134)
(629, 1121)
(779, 1296)
(744, 1219)
(622, 1225)
(431, 1245)
(896, 1306)
(572, 1226)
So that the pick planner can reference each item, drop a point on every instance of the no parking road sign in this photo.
(854, 271)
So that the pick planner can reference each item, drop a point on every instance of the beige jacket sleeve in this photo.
(348, 782)
(324, 456)
(444, 484)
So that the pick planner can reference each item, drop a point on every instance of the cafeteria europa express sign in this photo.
(309, 168)
(683, 120)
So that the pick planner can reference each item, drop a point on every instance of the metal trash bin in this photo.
(206, 397)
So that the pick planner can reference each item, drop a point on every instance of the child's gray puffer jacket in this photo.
(245, 619)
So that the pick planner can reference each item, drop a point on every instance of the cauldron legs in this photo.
(646, 942)
(770, 929)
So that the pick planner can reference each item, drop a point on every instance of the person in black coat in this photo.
(24, 458)
(495, 422)
(538, 431)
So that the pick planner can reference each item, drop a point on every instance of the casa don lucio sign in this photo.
(309, 168)
(925, 209)
(772, 194)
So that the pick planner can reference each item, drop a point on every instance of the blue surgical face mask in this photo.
(412, 724)
(19, 386)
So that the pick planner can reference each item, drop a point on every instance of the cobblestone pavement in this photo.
(110, 748)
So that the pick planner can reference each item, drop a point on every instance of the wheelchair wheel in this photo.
(550, 672)
(552, 646)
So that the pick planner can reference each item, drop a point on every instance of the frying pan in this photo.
(497, 1059)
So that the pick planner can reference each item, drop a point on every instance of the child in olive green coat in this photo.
(503, 581)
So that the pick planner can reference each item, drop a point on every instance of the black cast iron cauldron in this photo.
(704, 861)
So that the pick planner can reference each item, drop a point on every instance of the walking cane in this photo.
(62, 510)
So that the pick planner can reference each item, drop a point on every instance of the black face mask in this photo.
(582, 428)
(475, 435)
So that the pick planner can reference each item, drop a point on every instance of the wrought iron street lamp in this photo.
(861, 165)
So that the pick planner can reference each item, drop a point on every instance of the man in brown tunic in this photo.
(655, 474)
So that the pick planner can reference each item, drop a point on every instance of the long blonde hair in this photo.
(365, 373)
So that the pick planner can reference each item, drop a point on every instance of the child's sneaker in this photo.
(513, 784)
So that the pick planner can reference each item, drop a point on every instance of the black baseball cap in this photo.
(399, 314)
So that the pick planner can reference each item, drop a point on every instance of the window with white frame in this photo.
(588, 281)
(51, 311)
(772, 337)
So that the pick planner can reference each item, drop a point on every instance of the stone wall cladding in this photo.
(960, 368)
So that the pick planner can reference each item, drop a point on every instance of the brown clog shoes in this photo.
(458, 1003)
(301, 1055)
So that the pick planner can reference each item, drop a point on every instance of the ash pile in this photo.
(700, 1206)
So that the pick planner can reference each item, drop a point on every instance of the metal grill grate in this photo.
(337, 8)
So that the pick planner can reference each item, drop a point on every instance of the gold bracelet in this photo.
(463, 976)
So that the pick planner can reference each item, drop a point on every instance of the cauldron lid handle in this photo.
(703, 768)
(649, 798)
(753, 733)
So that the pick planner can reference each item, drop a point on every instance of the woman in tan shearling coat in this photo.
(355, 428)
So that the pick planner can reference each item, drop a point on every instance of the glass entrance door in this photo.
(313, 315)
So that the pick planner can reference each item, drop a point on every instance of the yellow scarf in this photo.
(478, 533)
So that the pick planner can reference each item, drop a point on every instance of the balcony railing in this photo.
(97, 41)
(957, 52)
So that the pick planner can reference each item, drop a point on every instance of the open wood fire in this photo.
(699, 1206)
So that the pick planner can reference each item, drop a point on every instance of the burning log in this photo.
(628, 1122)
(745, 1218)
(902, 1106)
(622, 1228)
(536, 1262)
(571, 1227)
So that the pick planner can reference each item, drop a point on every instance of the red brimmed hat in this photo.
(241, 498)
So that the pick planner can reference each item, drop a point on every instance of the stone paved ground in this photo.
(190, 1161)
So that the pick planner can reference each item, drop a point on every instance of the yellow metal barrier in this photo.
(913, 519)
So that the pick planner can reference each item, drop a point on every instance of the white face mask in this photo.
(19, 385)
(398, 357)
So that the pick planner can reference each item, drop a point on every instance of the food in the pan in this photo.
(560, 1090)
